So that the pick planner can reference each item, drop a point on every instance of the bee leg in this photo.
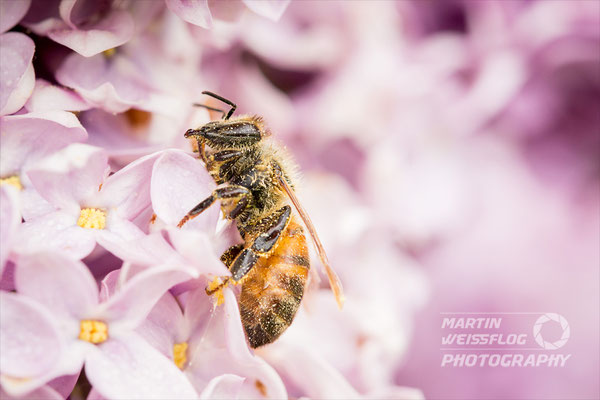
(272, 227)
(231, 253)
(234, 199)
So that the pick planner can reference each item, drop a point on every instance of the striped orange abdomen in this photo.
(272, 290)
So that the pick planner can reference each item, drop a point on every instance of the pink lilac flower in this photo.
(26, 139)
(17, 76)
(87, 204)
(87, 27)
(59, 297)
(200, 13)
(212, 344)
(46, 97)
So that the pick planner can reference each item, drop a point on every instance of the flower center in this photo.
(179, 354)
(92, 218)
(93, 331)
(109, 53)
(12, 180)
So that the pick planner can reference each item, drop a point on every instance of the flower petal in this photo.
(128, 368)
(180, 182)
(48, 97)
(112, 30)
(196, 13)
(64, 285)
(128, 307)
(30, 339)
(114, 85)
(145, 250)
(45, 392)
(309, 372)
(10, 218)
(70, 176)
(272, 9)
(11, 12)
(226, 386)
(26, 138)
(219, 346)
(198, 250)
(17, 77)
(164, 326)
(128, 190)
(55, 231)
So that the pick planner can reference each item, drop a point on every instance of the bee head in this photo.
(236, 133)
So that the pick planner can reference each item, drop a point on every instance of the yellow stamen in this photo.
(180, 354)
(215, 288)
(12, 180)
(93, 331)
(109, 53)
(92, 218)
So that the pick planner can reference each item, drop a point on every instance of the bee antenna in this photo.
(224, 100)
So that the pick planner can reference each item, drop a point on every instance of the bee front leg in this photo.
(234, 200)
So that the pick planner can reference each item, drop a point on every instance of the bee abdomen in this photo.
(268, 306)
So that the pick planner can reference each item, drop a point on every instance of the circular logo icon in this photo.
(537, 328)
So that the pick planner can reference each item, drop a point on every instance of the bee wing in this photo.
(334, 281)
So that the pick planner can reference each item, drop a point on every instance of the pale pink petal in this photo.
(70, 176)
(309, 372)
(69, 363)
(145, 250)
(10, 218)
(219, 346)
(26, 138)
(47, 97)
(164, 325)
(118, 228)
(62, 284)
(33, 205)
(113, 30)
(64, 384)
(44, 393)
(226, 386)
(128, 367)
(30, 339)
(196, 12)
(11, 12)
(198, 249)
(272, 9)
(114, 84)
(128, 307)
(17, 77)
(55, 231)
(128, 190)
(180, 182)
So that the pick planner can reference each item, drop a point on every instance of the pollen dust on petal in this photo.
(180, 354)
(261, 387)
(92, 218)
(138, 120)
(93, 331)
(13, 181)
(215, 288)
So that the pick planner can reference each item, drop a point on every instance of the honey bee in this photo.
(255, 189)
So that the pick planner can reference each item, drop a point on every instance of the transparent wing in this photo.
(334, 281)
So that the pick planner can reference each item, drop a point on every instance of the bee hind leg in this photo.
(271, 229)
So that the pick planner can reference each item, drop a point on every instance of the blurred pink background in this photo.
(459, 140)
